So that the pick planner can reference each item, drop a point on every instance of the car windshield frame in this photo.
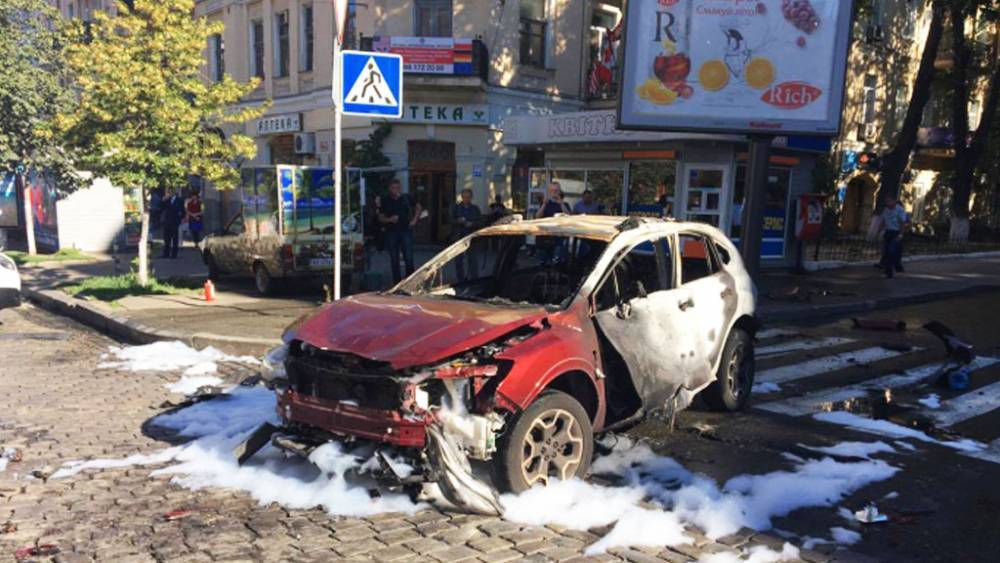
(411, 285)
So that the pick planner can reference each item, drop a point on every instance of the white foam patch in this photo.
(171, 356)
(932, 401)
(756, 554)
(844, 536)
(765, 387)
(189, 384)
(853, 449)
(891, 430)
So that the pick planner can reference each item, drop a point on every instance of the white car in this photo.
(10, 283)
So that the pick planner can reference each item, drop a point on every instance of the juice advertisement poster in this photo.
(735, 65)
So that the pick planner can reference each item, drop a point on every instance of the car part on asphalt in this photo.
(514, 346)
(957, 350)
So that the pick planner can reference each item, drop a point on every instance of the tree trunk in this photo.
(29, 217)
(894, 162)
(967, 152)
(143, 272)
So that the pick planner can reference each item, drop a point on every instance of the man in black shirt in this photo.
(399, 214)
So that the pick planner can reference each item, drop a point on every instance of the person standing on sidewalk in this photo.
(194, 211)
(468, 218)
(588, 205)
(893, 223)
(172, 216)
(399, 215)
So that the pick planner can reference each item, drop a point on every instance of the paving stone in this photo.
(359, 547)
(489, 544)
(672, 556)
(502, 556)
(427, 545)
(636, 556)
(455, 553)
(459, 536)
(738, 538)
(393, 553)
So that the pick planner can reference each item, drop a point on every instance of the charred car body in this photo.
(520, 342)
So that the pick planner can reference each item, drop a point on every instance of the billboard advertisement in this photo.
(8, 200)
(735, 66)
(429, 55)
(43, 208)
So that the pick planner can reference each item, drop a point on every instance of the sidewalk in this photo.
(239, 321)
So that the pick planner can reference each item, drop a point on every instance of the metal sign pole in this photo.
(753, 207)
(337, 167)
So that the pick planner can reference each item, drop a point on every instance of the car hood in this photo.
(407, 331)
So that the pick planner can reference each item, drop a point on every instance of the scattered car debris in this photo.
(870, 515)
(958, 350)
(8, 527)
(177, 514)
(879, 324)
(41, 550)
(43, 473)
(11, 454)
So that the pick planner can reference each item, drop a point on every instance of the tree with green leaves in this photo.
(974, 63)
(30, 95)
(146, 116)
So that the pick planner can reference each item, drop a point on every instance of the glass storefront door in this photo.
(702, 198)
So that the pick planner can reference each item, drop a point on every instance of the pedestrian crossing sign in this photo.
(371, 84)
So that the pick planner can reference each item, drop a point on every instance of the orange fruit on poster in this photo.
(713, 75)
(760, 73)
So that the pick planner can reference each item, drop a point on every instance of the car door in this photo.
(642, 314)
(709, 293)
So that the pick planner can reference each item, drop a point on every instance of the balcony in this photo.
(436, 59)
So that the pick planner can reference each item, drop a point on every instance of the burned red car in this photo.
(517, 344)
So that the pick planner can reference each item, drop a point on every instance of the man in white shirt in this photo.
(892, 222)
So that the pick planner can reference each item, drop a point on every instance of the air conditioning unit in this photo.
(305, 143)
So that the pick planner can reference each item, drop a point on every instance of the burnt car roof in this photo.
(599, 227)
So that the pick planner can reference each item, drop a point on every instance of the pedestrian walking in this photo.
(172, 214)
(893, 222)
(399, 215)
(588, 205)
(468, 218)
(194, 213)
(374, 231)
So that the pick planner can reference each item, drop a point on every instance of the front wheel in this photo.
(551, 439)
(734, 379)
(262, 280)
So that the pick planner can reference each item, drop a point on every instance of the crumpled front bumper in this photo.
(345, 419)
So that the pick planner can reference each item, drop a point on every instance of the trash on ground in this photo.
(43, 473)
(879, 324)
(870, 515)
(957, 349)
(177, 514)
(11, 454)
(8, 528)
(41, 550)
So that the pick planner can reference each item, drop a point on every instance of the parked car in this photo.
(517, 344)
(279, 227)
(10, 283)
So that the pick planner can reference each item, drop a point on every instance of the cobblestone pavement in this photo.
(56, 406)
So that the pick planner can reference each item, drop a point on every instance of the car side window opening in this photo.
(697, 260)
(723, 253)
(645, 269)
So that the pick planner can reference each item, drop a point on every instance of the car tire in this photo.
(731, 389)
(214, 273)
(262, 280)
(555, 432)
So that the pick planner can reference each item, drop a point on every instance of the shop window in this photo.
(533, 31)
(306, 38)
(775, 209)
(433, 18)
(651, 187)
(281, 44)
(696, 259)
(607, 187)
(257, 48)
(217, 55)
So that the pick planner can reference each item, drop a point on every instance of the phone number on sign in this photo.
(418, 67)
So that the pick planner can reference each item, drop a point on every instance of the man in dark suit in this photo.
(173, 213)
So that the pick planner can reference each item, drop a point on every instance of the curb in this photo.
(137, 333)
(814, 312)
(818, 266)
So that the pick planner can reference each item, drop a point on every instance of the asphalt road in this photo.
(56, 406)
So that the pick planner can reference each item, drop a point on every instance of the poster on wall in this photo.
(8, 201)
(735, 65)
(43, 209)
(429, 55)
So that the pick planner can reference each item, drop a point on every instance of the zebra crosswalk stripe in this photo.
(800, 345)
(806, 404)
(776, 332)
(991, 453)
(826, 364)
(968, 405)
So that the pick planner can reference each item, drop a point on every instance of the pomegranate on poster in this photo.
(672, 69)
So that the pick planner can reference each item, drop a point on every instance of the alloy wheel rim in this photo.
(261, 278)
(736, 372)
(553, 447)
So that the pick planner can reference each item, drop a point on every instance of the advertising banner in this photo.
(429, 55)
(735, 65)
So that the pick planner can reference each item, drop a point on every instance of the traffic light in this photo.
(869, 161)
